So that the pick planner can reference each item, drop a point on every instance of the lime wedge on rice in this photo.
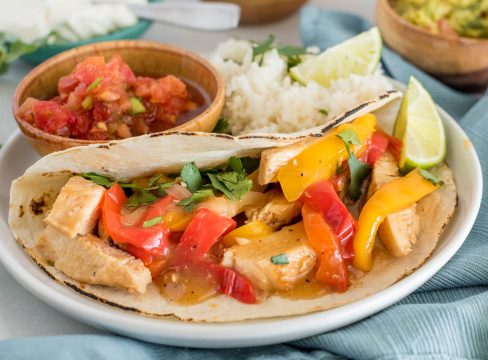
(419, 126)
(358, 55)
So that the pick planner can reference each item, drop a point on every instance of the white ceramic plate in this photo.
(17, 155)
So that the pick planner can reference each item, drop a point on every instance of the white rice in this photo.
(261, 97)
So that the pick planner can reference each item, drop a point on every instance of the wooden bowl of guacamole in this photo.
(448, 39)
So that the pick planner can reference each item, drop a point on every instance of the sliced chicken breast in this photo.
(276, 211)
(89, 259)
(398, 232)
(274, 262)
(77, 207)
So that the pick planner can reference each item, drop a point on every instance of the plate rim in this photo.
(229, 335)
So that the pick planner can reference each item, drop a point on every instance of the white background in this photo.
(21, 314)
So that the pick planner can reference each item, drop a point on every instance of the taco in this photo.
(210, 227)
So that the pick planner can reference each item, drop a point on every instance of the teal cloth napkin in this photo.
(447, 318)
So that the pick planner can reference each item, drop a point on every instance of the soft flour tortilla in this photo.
(33, 194)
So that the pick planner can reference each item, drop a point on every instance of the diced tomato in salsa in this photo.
(103, 100)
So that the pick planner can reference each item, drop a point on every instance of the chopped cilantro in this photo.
(430, 177)
(152, 222)
(221, 127)
(291, 51)
(191, 176)
(95, 83)
(141, 197)
(349, 137)
(323, 112)
(190, 202)
(281, 259)
(263, 47)
(98, 179)
(358, 169)
(236, 164)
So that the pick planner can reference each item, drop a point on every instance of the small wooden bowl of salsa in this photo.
(115, 90)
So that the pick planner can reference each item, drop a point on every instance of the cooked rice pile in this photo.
(261, 96)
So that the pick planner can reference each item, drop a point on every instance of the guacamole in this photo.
(466, 18)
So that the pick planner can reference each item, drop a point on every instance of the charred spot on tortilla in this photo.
(21, 211)
(103, 146)
(39, 206)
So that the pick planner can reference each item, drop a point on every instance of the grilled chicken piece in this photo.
(276, 211)
(77, 207)
(254, 259)
(398, 232)
(89, 259)
(272, 160)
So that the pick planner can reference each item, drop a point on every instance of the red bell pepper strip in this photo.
(231, 283)
(379, 144)
(322, 196)
(204, 230)
(153, 240)
(332, 269)
(394, 145)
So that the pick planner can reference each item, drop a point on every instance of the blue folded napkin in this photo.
(446, 319)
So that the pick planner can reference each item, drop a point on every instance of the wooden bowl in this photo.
(459, 62)
(146, 58)
(266, 11)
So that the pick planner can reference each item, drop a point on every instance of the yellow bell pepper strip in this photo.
(320, 160)
(389, 199)
(251, 230)
(177, 219)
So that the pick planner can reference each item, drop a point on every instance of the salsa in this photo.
(103, 100)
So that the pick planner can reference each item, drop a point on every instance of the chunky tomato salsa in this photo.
(103, 100)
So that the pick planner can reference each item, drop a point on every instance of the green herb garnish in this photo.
(289, 51)
(191, 176)
(190, 202)
(323, 112)
(141, 197)
(95, 83)
(98, 179)
(427, 175)
(234, 185)
(136, 106)
(263, 47)
(221, 127)
(152, 222)
(358, 169)
(281, 259)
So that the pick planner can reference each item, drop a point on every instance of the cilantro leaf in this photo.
(98, 179)
(236, 164)
(324, 112)
(141, 197)
(281, 259)
(349, 137)
(191, 176)
(190, 202)
(427, 175)
(291, 50)
(152, 222)
(263, 47)
(217, 184)
(221, 127)
(359, 171)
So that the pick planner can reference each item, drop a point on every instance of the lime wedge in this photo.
(419, 126)
(358, 55)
